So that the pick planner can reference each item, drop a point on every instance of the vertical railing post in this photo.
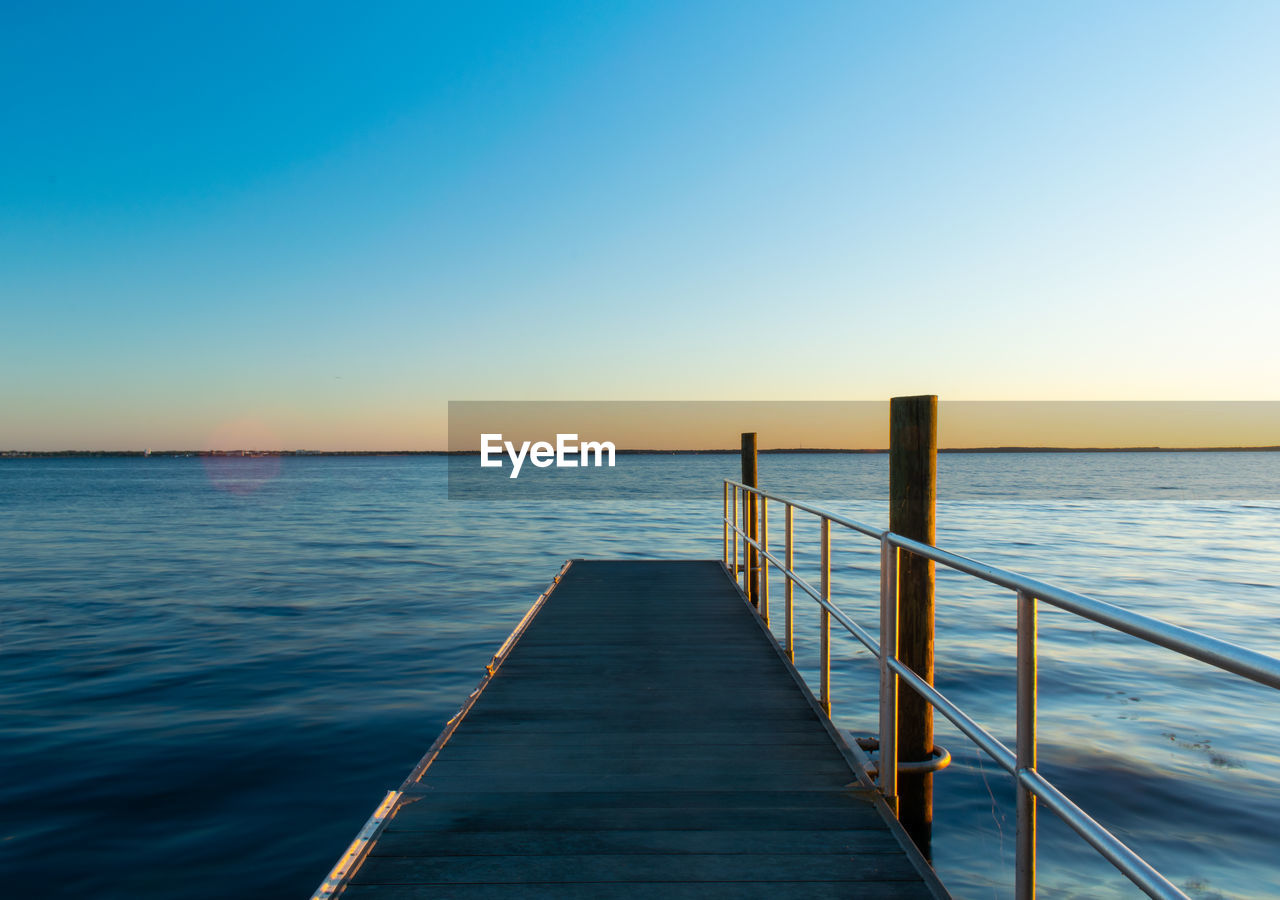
(824, 622)
(1025, 886)
(724, 514)
(913, 453)
(764, 560)
(735, 532)
(888, 764)
(749, 512)
(789, 589)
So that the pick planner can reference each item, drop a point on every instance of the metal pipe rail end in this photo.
(939, 759)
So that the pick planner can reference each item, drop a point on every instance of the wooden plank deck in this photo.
(643, 738)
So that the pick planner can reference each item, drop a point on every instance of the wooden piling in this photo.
(913, 453)
(750, 504)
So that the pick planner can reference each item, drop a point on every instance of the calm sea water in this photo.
(209, 676)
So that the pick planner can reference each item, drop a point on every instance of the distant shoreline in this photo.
(250, 454)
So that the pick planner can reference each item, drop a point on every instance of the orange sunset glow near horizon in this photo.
(708, 425)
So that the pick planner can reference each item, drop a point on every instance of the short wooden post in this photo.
(749, 507)
(913, 455)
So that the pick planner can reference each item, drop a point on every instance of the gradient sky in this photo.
(318, 223)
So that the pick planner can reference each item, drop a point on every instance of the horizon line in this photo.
(249, 453)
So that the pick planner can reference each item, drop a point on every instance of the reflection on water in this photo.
(209, 688)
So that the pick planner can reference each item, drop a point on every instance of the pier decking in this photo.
(642, 737)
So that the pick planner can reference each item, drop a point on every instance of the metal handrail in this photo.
(1224, 655)
(1021, 763)
(1216, 652)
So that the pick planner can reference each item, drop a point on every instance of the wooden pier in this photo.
(640, 735)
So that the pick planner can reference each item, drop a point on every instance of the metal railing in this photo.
(1032, 787)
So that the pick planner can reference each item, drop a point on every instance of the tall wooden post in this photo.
(750, 504)
(913, 476)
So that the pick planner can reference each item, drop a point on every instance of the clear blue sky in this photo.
(320, 222)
